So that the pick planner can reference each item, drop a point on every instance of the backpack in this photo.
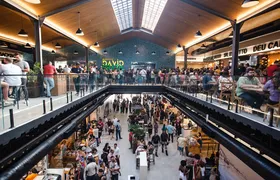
(155, 139)
(117, 127)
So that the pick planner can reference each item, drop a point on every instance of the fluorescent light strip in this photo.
(152, 12)
(123, 13)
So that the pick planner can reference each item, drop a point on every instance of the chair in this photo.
(226, 90)
(276, 108)
(239, 100)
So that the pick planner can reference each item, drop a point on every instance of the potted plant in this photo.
(138, 134)
(34, 77)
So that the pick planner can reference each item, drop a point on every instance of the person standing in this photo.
(181, 144)
(155, 141)
(130, 106)
(150, 129)
(100, 126)
(170, 130)
(118, 130)
(117, 153)
(156, 127)
(49, 71)
(77, 69)
(164, 142)
(114, 168)
(91, 169)
(25, 69)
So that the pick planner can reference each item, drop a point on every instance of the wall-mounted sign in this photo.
(110, 63)
(259, 48)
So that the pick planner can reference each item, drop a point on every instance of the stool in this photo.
(240, 101)
(276, 108)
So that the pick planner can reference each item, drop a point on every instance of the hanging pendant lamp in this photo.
(3, 44)
(27, 45)
(198, 34)
(249, 3)
(79, 32)
(105, 52)
(76, 52)
(179, 46)
(53, 52)
(57, 46)
(153, 53)
(203, 46)
(22, 33)
(120, 52)
(137, 52)
(96, 44)
(33, 1)
(167, 53)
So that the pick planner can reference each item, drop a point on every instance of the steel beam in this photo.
(87, 57)
(70, 6)
(210, 11)
(38, 42)
(185, 57)
(235, 47)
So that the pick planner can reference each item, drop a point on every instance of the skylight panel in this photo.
(152, 12)
(123, 13)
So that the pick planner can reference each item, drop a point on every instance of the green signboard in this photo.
(110, 63)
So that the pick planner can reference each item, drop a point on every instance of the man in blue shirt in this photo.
(207, 81)
(170, 131)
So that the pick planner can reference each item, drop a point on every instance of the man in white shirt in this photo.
(115, 121)
(91, 169)
(10, 72)
(25, 69)
(143, 74)
(181, 143)
(66, 69)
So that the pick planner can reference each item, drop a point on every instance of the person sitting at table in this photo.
(225, 78)
(207, 81)
(273, 87)
(248, 87)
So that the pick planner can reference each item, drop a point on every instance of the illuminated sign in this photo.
(110, 63)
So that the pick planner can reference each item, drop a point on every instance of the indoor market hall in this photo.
(139, 90)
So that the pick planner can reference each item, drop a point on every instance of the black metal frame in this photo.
(33, 139)
(261, 165)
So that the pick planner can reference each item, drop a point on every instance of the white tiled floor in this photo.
(166, 167)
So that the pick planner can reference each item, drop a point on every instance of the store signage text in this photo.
(112, 64)
(272, 45)
(263, 47)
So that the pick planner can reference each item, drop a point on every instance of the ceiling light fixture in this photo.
(137, 52)
(79, 32)
(167, 53)
(28, 46)
(203, 46)
(152, 12)
(105, 52)
(120, 52)
(33, 1)
(22, 33)
(57, 45)
(231, 35)
(179, 46)
(249, 3)
(198, 34)
(96, 44)
(76, 52)
(53, 52)
(153, 53)
(3, 44)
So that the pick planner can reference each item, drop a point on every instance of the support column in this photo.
(87, 57)
(235, 47)
(185, 57)
(38, 42)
